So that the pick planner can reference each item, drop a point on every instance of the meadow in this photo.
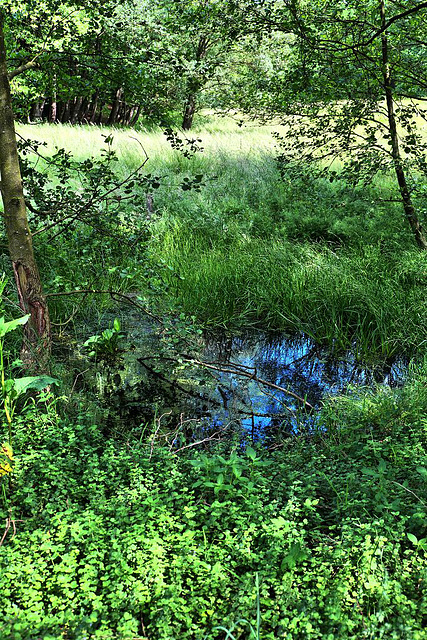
(250, 249)
(109, 532)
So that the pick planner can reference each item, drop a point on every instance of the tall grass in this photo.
(358, 299)
(253, 249)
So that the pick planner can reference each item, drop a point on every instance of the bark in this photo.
(101, 113)
(36, 112)
(53, 105)
(194, 87)
(82, 113)
(129, 115)
(136, 116)
(399, 166)
(76, 110)
(53, 111)
(115, 106)
(30, 293)
(66, 112)
(60, 111)
(189, 111)
(94, 107)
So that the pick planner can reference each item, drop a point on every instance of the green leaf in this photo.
(296, 555)
(21, 385)
(6, 327)
(251, 453)
(412, 538)
(116, 324)
(370, 472)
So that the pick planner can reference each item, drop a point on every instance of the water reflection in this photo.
(298, 365)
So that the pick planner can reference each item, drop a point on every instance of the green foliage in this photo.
(324, 537)
(107, 344)
(14, 388)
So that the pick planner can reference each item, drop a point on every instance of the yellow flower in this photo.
(5, 465)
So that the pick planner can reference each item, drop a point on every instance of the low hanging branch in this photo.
(113, 294)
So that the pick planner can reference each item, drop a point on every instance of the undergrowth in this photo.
(120, 537)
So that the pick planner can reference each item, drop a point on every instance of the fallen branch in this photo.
(239, 370)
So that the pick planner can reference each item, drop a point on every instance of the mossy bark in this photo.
(30, 293)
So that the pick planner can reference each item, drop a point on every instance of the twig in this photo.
(207, 439)
(111, 293)
(409, 491)
(168, 413)
(9, 523)
(238, 371)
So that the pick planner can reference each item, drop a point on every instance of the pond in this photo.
(257, 383)
(307, 371)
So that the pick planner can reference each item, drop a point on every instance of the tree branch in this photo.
(23, 67)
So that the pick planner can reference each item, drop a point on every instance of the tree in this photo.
(352, 89)
(52, 16)
(197, 41)
(27, 278)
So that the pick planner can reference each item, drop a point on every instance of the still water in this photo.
(228, 392)
(298, 365)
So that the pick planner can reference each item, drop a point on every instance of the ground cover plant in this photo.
(121, 537)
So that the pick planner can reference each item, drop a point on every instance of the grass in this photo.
(253, 249)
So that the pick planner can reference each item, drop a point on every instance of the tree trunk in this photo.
(53, 105)
(53, 111)
(115, 106)
(135, 118)
(194, 86)
(189, 111)
(36, 111)
(93, 107)
(82, 113)
(408, 205)
(76, 110)
(30, 294)
(101, 113)
(129, 115)
(66, 112)
(60, 111)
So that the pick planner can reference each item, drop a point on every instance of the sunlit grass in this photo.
(254, 249)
